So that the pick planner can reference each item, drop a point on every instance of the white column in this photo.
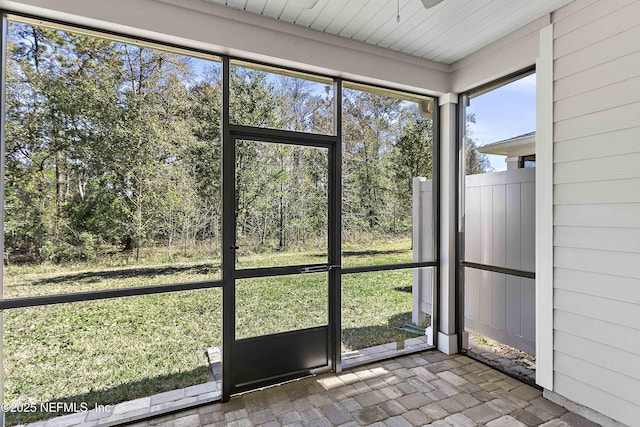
(447, 338)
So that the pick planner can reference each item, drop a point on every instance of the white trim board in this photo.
(544, 210)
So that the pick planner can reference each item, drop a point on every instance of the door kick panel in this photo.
(270, 359)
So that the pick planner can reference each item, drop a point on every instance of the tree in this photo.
(368, 128)
(475, 162)
(50, 131)
(98, 134)
(301, 107)
(413, 157)
(116, 145)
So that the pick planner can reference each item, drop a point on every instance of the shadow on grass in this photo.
(364, 253)
(128, 273)
(375, 252)
(369, 336)
(118, 394)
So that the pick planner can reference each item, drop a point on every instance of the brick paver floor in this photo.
(428, 388)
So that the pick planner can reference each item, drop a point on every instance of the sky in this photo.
(504, 113)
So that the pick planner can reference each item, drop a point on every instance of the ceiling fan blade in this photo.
(430, 3)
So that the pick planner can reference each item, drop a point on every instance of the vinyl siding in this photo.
(609, 192)
(597, 206)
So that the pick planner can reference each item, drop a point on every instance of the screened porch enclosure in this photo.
(195, 211)
(187, 181)
(497, 225)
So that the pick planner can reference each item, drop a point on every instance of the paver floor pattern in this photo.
(428, 388)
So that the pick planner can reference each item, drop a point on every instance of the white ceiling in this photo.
(445, 33)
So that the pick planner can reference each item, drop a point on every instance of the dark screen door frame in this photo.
(259, 361)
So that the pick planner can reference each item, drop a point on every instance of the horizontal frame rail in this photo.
(385, 267)
(6, 304)
(501, 270)
(250, 273)
(281, 136)
(296, 269)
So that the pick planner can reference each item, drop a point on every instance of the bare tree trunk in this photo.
(263, 237)
(138, 219)
(60, 192)
(281, 218)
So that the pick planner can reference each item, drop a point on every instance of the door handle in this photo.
(314, 269)
(317, 268)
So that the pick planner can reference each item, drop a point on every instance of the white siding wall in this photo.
(597, 206)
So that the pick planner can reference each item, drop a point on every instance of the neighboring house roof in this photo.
(517, 146)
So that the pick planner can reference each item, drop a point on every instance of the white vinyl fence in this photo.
(500, 231)
(423, 247)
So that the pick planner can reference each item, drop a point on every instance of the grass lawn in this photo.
(109, 351)
(372, 303)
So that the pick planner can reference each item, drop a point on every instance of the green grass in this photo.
(108, 272)
(270, 305)
(382, 250)
(372, 304)
(109, 351)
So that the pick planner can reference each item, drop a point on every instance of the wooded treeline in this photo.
(117, 147)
